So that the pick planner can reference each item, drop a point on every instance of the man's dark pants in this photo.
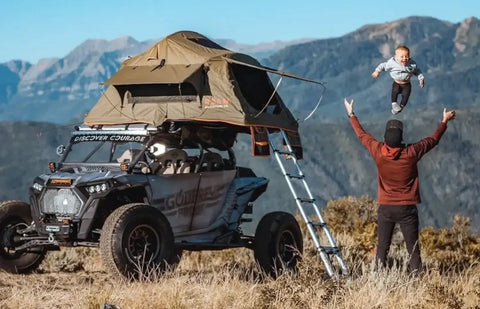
(407, 217)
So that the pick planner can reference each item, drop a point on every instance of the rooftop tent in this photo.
(187, 77)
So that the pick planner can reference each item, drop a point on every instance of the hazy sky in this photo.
(34, 29)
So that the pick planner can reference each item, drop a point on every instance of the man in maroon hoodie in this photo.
(397, 176)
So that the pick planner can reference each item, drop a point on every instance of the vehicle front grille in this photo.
(61, 201)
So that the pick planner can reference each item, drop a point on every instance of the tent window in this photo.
(158, 93)
(147, 90)
(256, 88)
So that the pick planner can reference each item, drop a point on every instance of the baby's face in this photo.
(402, 56)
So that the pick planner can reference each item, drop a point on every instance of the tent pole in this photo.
(271, 97)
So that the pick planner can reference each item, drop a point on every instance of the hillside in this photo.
(27, 147)
(336, 164)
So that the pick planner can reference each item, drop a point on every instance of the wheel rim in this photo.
(287, 247)
(143, 244)
(7, 243)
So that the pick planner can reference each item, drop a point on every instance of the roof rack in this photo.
(120, 127)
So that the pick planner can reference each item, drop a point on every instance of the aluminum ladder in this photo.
(315, 225)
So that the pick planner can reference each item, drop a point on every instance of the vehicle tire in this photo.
(278, 243)
(13, 215)
(137, 242)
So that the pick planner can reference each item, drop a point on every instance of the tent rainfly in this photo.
(187, 77)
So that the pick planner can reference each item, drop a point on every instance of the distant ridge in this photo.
(447, 53)
(58, 89)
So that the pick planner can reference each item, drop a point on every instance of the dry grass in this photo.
(75, 278)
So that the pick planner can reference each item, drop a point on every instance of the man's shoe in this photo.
(396, 108)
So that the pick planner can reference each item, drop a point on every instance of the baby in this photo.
(401, 69)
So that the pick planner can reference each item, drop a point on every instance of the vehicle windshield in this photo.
(103, 148)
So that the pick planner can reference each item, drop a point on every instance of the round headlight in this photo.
(101, 187)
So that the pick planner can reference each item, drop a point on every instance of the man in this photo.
(397, 178)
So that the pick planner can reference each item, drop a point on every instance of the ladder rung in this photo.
(330, 250)
(295, 176)
(284, 152)
(321, 224)
(306, 200)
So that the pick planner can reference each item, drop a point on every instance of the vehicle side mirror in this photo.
(60, 150)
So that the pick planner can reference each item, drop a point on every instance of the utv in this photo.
(152, 171)
(143, 194)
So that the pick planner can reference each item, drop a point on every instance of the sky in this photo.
(34, 29)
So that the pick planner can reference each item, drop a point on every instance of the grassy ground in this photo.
(75, 277)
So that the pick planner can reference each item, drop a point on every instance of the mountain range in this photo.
(447, 53)
(61, 90)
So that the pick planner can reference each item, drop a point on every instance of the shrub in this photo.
(451, 248)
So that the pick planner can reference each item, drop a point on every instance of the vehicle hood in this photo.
(83, 178)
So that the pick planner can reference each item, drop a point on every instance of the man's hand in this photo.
(448, 115)
(421, 83)
(375, 74)
(349, 107)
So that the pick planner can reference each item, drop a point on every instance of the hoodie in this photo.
(399, 71)
(397, 173)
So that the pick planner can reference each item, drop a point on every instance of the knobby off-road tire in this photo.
(16, 215)
(137, 242)
(278, 243)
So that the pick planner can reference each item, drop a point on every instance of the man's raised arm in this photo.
(365, 138)
(426, 144)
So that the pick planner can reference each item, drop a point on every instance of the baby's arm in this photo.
(418, 73)
(381, 67)
(421, 78)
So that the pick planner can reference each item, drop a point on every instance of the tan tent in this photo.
(186, 76)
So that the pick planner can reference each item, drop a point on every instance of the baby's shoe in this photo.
(396, 108)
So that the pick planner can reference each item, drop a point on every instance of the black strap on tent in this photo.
(162, 63)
